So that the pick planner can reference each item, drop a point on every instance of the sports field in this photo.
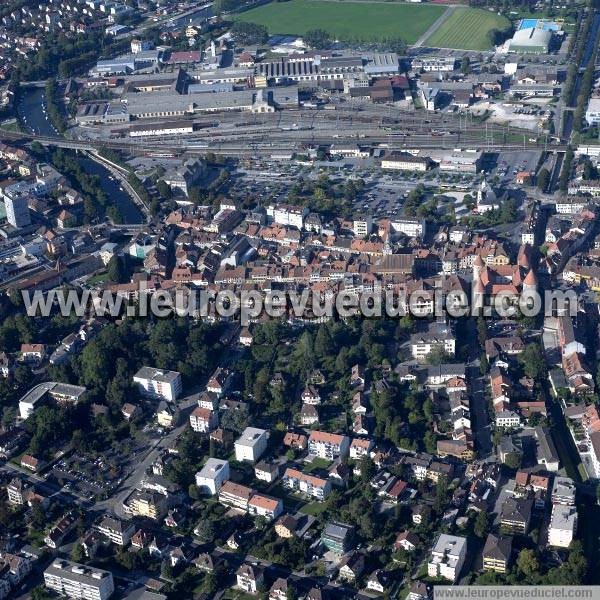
(466, 29)
(347, 20)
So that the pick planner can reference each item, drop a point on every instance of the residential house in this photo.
(379, 581)
(406, 540)
(351, 567)
(360, 447)
(497, 553)
(286, 526)
(249, 577)
(309, 415)
(515, 515)
(204, 420)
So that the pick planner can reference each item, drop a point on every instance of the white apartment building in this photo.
(285, 214)
(421, 345)
(15, 490)
(433, 63)
(74, 580)
(563, 525)
(571, 205)
(157, 383)
(307, 484)
(362, 227)
(447, 557)
(507, 418)
(360, 447)
(409, 227)
(17, 211)
(528, 237)
(212, 476)
(251, 444)
(404, 161)
(328, 445)
(563, 491)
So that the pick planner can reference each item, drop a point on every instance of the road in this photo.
(482, 432)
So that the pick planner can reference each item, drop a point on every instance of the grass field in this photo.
(363, 21)
(466, 29)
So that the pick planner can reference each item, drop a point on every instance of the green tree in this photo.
(533, 361)
(324, 346)
(513, 460)
(543, 179)
(317, 38)
(481, 525)
(164, 189)
(527, 563)
(77, 554)
(249, 33)
(116, 270)
(367, 468)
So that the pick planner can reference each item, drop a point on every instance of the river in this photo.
(33, 116)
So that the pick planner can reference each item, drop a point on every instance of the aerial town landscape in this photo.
(380, 163)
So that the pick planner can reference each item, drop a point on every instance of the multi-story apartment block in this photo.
(447, 557)
(234, 494)
(563, 525)
(213, 475)
(147, 504)
(307, 484)
(328, 445)
(496, 553)
(117, 531)
(563, 491)
(515, 515)
(249, 577)
(78, 581)
(261, 505)
(157, 383)
(251, 444)
(285, 214)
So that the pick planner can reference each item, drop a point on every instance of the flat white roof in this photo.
(250, 436)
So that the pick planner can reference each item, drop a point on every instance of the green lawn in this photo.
(347, 21)
(466, 29)
(317, 463)
(314, 508)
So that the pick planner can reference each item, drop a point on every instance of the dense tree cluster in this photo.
(249, 33)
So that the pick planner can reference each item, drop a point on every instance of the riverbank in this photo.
(33, 117)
